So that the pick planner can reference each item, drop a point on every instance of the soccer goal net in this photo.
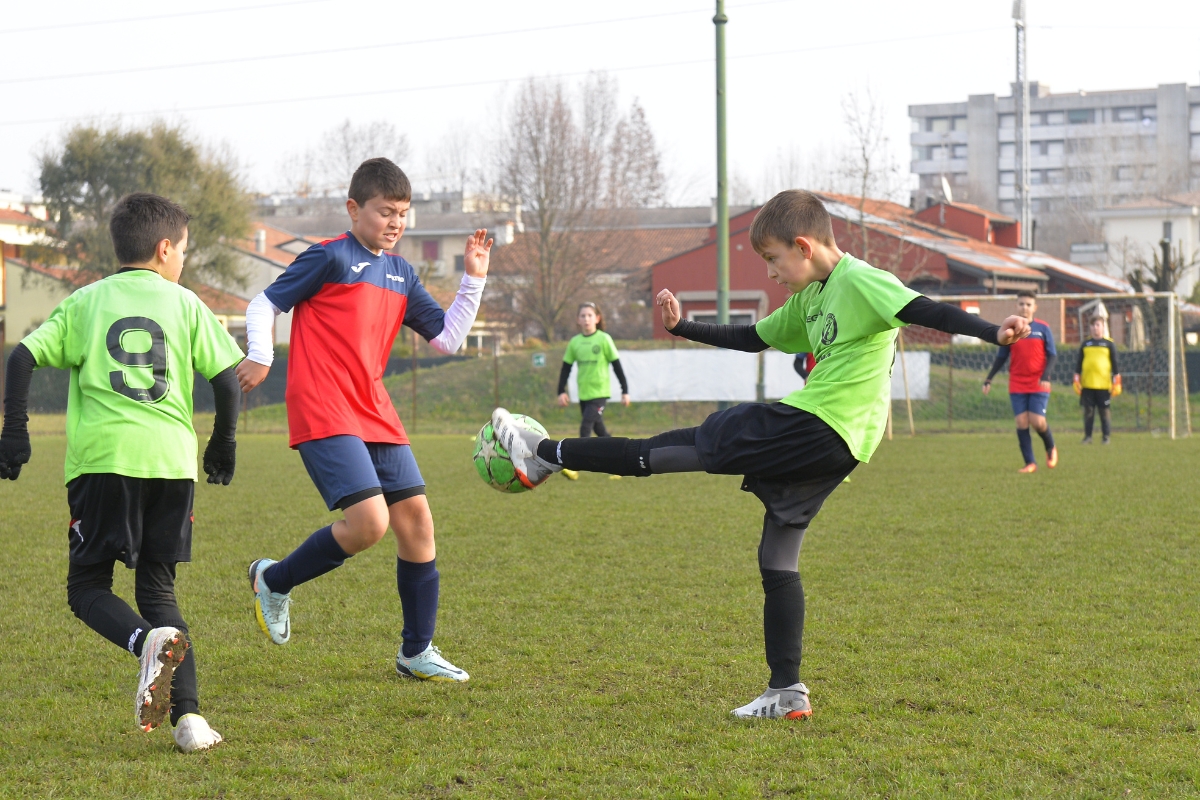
(945, 375)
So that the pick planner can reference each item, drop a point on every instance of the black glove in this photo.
(14, 454)
(219, 460)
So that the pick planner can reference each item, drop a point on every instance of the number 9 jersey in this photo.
(132, 342)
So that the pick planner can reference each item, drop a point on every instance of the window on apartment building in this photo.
(1055, 118)
(1149, 113)
(916, 124)
(1124, 173)
(1081, 116)
(1037, 120)
(1195, 117)
(1008, 150)
(1008, 178)
(1150, 172)
(1007, 206)
(960, 151)
(918, 154)
(1037, 177)
(938, 124)
(1079, 145)
(430, 249)
(1079, 175)
(1196, 143)
(958, 123)
(1008, 121)
(1054, 147)
(1054, 176)
(1125, 115)
(960, 179)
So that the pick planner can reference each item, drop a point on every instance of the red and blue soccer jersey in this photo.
(1028, 358)
(349, 306)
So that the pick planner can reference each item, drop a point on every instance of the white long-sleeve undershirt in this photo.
(260, 317)
(460, 316)
(261, 313)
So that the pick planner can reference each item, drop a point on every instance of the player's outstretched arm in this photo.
(14, 437)
(478, 254)
(220, 456)
(1013, 329)
(260, 317)
(730, 337)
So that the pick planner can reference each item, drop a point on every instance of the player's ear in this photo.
(352, 209)
(805, 245)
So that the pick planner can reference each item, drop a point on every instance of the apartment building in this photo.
(1089, 150)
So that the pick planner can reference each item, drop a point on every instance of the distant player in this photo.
(794, 453)
(593, 350)
(350, 296)
(132, 342)
(1030, 362)
(1097, 380)
(803, 364)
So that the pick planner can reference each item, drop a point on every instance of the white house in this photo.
(1135, 230)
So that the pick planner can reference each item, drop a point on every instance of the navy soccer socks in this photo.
(1047, 438)
(418, 587)
(1022, 436)
(316, 555)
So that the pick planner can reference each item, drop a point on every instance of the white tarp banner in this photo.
(657, 376)
(665, 375)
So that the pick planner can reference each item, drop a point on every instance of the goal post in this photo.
(1147, 329)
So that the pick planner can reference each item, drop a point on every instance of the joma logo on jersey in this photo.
(829, 332)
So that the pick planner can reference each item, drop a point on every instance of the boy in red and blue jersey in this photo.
(350, 296)
(1030, 363)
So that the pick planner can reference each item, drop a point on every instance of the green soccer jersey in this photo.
(848, 323)
(132, 342)
(593, 354)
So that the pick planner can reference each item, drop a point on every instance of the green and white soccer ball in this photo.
(492, 462)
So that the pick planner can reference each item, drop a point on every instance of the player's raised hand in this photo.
(670, 308)
(14, 454)
(250, 374)
(1013, 329)
(478, 254)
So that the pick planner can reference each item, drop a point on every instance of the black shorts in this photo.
(115, 517)
(1095, 398)
(791, 459)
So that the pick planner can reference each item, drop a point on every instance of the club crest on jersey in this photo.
(829, 332)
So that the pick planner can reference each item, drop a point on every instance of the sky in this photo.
(292, 70)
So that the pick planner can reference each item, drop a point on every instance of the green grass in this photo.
(971, 633)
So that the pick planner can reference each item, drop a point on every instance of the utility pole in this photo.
(719, 22)
(1021, 129)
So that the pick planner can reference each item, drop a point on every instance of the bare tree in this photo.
(576, 167)
(870, 164)
(453, 163)
(328, 166)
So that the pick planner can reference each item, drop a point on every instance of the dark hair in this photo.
(140, 221)
(379, 177)
(1030, 293)
(596, 308)
(788, 215)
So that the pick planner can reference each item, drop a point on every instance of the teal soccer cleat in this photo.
(271, 608)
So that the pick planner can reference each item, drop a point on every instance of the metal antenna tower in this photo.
(1024, 201)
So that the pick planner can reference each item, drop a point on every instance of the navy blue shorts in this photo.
(1033, 402)
(347, 470)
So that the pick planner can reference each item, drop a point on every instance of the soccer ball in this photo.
(493, 463)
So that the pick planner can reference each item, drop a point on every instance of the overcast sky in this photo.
(432, 67)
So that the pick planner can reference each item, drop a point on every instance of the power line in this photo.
(123, 20)
(359, 48)
(495, 81)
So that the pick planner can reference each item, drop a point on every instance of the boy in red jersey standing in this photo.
(351, 295)
(1032, 360)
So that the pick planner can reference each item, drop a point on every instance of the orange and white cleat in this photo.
(1052, 458)
(789, 703)
(162, 653)
(1028, 468)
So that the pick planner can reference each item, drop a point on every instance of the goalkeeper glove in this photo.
(1077, 386)
(219, 460)
(1116, 389)
(14, 454)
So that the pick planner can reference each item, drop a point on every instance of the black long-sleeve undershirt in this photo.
(227, 396)
(565, 373)
(920, 311)
(17, 377)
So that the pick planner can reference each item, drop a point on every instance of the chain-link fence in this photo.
(1146, 328)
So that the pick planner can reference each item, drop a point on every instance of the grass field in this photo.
(971, 633)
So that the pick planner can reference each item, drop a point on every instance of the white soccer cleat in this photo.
(521, 445)
(789, 703)
(428, 665)
(270, 608)
(162, 653)
(192, 734)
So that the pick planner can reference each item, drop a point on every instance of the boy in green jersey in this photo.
(593, 350)
(793, 453)
(133, 342)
